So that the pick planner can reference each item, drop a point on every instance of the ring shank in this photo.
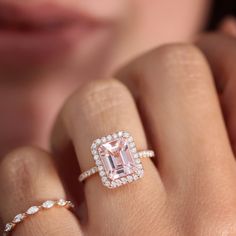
(92, 171)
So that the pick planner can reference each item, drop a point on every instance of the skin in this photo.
(181, 100)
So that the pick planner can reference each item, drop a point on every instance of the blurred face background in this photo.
(49, 47)
(81, 37)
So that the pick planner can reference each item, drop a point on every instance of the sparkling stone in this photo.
(18, 218)
(95, 157)
(132, 145)
(117, 158)
(109, 137)
(104, 139)
(61, 202)
(115, 136)
(139, 166)
(107, 183)
(126, 135)
(100, 168)
(94, 152)
(101, 173)
(137, 161)
(134, 150)
(98, 162)
(135, 177)
(136, 155)
(93, 146)
(32, 210)
(69, 203)
(8, 227)
(118, 182)
(130, 139)
(120, 134)
(104, 179)
(124, 180)
(140, 173)
(98, 141)
(129, 178)
(48, 204)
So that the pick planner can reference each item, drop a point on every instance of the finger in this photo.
(179, 104)
(220, 51)
(98, 109)
(228, 26)
(28, 178)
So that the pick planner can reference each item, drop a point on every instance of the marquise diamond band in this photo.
(34, 210)
(117, 160)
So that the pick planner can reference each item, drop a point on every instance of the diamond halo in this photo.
(117, 159)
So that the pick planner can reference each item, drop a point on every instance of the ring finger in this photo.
(98, 109)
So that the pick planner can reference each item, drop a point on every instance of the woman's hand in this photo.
(190, 187)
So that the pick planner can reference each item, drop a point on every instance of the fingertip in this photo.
(228, 26)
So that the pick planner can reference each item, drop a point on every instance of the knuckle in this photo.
(185, 70)
(97, 97)
(173, 55)
(179, 64)
(20, 164)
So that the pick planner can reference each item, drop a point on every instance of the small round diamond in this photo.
(109, 137)
(32, 210)
(135, 177)
(94, 152)
(101, 173)
(98, 162)
(104, 179)
(140, 173)
(104, 140)
(129, 178)
(96, 157)
(113, 184)
(48, 204)
(136, 155)
(139, 166)
(134, 150)
(115, 136)
(126, 135)
(61, 202)
(118, 182)
(18, 218)
(100, 168)
(130, 139)
(9, 227)
(69, 203)
(137, 161)
(124, 180)
(98, 141)
(120, 134)
(94, 145)
(107, 184)
(132, 145)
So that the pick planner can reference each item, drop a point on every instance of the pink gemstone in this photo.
(117, 158)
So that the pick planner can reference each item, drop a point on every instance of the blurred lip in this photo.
(39, 34)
